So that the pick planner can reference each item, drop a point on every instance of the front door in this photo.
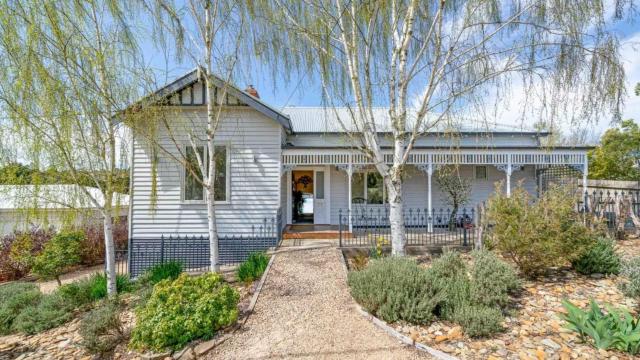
(320, 194)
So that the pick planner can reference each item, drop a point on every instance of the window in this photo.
(193, 190)
(481, 172)
(367, 188)
(319, 185)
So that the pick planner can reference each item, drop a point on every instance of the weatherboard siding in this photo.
(254, 145)
(415, 188)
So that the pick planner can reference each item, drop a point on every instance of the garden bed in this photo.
(533, 328)
(66, 341)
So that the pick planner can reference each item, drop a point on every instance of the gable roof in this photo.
(328, 120)
(195, 76)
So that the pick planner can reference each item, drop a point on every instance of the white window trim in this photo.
(366, 188)
(183, 174)
(475, 172)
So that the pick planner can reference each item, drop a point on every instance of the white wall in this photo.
(255, 161)
(11, 220)
(415, 188)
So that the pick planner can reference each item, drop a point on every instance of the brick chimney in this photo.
(252, 91)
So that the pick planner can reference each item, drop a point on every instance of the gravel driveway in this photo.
(305, 311)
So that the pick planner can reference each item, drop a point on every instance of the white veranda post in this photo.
(428, 169)
(349, 176)
(585, 174)
(508, 170)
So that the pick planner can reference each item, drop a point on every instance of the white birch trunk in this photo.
(213, 231)
(110, 254)
(396, 218)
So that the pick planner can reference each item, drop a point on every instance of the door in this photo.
(321, 205)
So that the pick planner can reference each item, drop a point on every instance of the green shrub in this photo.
(97, 285)
(50, 312)
(183, 310)
(473, 297)
(537, 235)
(21, 253)
(101, 329)
(169, 270)
(62, 251)
(601, 258)
(631, 274)
(14, 298)
(395, 289)
(615, 329)
(77, 293)
(477, 320)
(491, 280)
(253, 268)
(449, 275)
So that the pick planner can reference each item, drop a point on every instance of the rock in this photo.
(155, 356)
(540, 355)
(455, 333)
(185, 354)
(552, 344)
(441, 338)
(597, 276)
(205, 347)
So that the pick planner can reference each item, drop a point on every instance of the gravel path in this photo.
(305, 311)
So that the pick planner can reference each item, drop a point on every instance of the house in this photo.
(297, 166)
(26, 206)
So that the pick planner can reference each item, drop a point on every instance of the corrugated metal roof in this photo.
(329, 120)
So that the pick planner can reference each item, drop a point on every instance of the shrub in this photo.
(169, 270)
(51, 311)
(615, 329)
(491, 280)
(395, 289)
(58, 254)
(13, 298)
(16, 266)
(359, 261)
(631, 273)
(97, 285)
(101, 329)
(449, 275)
(601, 258)
(183, 310)
(92, 248)
(477, 320)
(537, 235)
(77, 293)
(253, 267)
(473, 297)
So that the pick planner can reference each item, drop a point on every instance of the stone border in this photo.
(393, 332)
(201, 349)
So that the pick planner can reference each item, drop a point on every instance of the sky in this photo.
(303, 90)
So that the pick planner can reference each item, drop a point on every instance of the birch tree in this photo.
(207, 34)
(66, 69)
(429, 61)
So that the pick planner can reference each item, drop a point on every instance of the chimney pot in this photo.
(252, 91)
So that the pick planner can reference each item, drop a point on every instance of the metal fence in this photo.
(609, 205)
(194, 251)
(363, 227)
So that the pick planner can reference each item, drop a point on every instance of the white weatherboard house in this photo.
(298, 165)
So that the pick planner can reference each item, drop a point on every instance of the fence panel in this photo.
(194, 251)
(364, 226)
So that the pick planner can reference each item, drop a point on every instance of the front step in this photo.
(299, 232)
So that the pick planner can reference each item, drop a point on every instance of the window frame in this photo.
(475, 172)
(366, 188)
(183, 176)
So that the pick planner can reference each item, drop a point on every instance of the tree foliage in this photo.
(430, 61)
(618, 155)
(67, 68)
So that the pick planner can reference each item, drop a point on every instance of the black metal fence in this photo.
(365, 226)
(608, 206)
(193, 251)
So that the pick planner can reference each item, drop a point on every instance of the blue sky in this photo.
(302, 90)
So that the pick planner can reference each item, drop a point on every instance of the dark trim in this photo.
(194, 76)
